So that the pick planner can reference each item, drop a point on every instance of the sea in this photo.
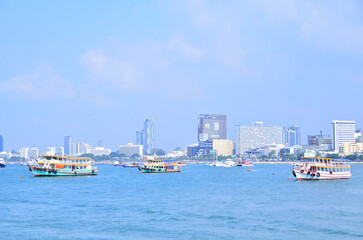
(201, 202)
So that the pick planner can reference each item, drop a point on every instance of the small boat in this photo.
(116, 163)
(318, 168)
(130, 165)
(246, 163)
(160, 166)
(229, 163)
(2, 163)
(54, 166)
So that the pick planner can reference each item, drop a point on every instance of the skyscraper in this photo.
(212, 126)
(1, 144)
(251, 137)
(343, 132)
(148, 136)
(67, 145)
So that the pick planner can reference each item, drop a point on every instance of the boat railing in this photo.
(69, 162)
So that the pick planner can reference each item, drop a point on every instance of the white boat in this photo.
(2, 163)
(219, 164)
(116, 163)
(229, 163)
(318, 168)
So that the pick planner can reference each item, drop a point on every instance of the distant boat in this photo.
(229, 163)
(317, 168)
(53, 166)
(2, 163)
(246, 163)
(116, 163)
(160, 166)
(130, 165)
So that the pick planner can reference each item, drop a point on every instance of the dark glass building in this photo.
(67, 145)
(212, 126)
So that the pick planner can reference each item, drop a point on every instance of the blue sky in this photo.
(95, 70)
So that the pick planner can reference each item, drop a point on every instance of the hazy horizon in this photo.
(96, 70)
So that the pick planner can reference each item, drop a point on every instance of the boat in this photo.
(63, 166)
(130, 165)
(160, 166)
(246, 163)
(116, 163)
(319, 168)
(229, 163)
(2, 163)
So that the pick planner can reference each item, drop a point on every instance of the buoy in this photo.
(21, 176)
(249, 170)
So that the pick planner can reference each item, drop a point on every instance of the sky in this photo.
(96, 69)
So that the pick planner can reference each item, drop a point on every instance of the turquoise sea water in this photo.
(201, 202)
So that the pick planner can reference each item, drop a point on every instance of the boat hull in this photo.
(321, 175)
(130, 166)
(2, 165)
(63, 172)
(151, 170)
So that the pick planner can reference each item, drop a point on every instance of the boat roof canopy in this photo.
(316, 158)
(52, 156)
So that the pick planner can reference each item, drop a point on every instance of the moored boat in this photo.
(2, 163)
(318, 168)
(63, 166)
(229, 163)
(246, 163)
(160, 166)
(116, 163)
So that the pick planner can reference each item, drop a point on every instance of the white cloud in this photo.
(43, 83)
(328, 26)
(147, 68)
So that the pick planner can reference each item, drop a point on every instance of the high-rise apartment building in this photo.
(1, 144)
(67, 145)
(212, 126)
(148, 136)
(33, 153)
(343, 132)
(80, 148)
(257, 136)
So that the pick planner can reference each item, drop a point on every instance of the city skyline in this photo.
(282, 63)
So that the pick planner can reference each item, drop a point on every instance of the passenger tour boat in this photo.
(63, 166)
(318, 168)
(160, 166)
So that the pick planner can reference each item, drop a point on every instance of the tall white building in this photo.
(23, 152)
(98, 151)
(257, 136)
(130, 149)
(343, 132)
(33, 153)
(80, 148)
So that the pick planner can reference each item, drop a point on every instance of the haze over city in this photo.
(96, 71)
